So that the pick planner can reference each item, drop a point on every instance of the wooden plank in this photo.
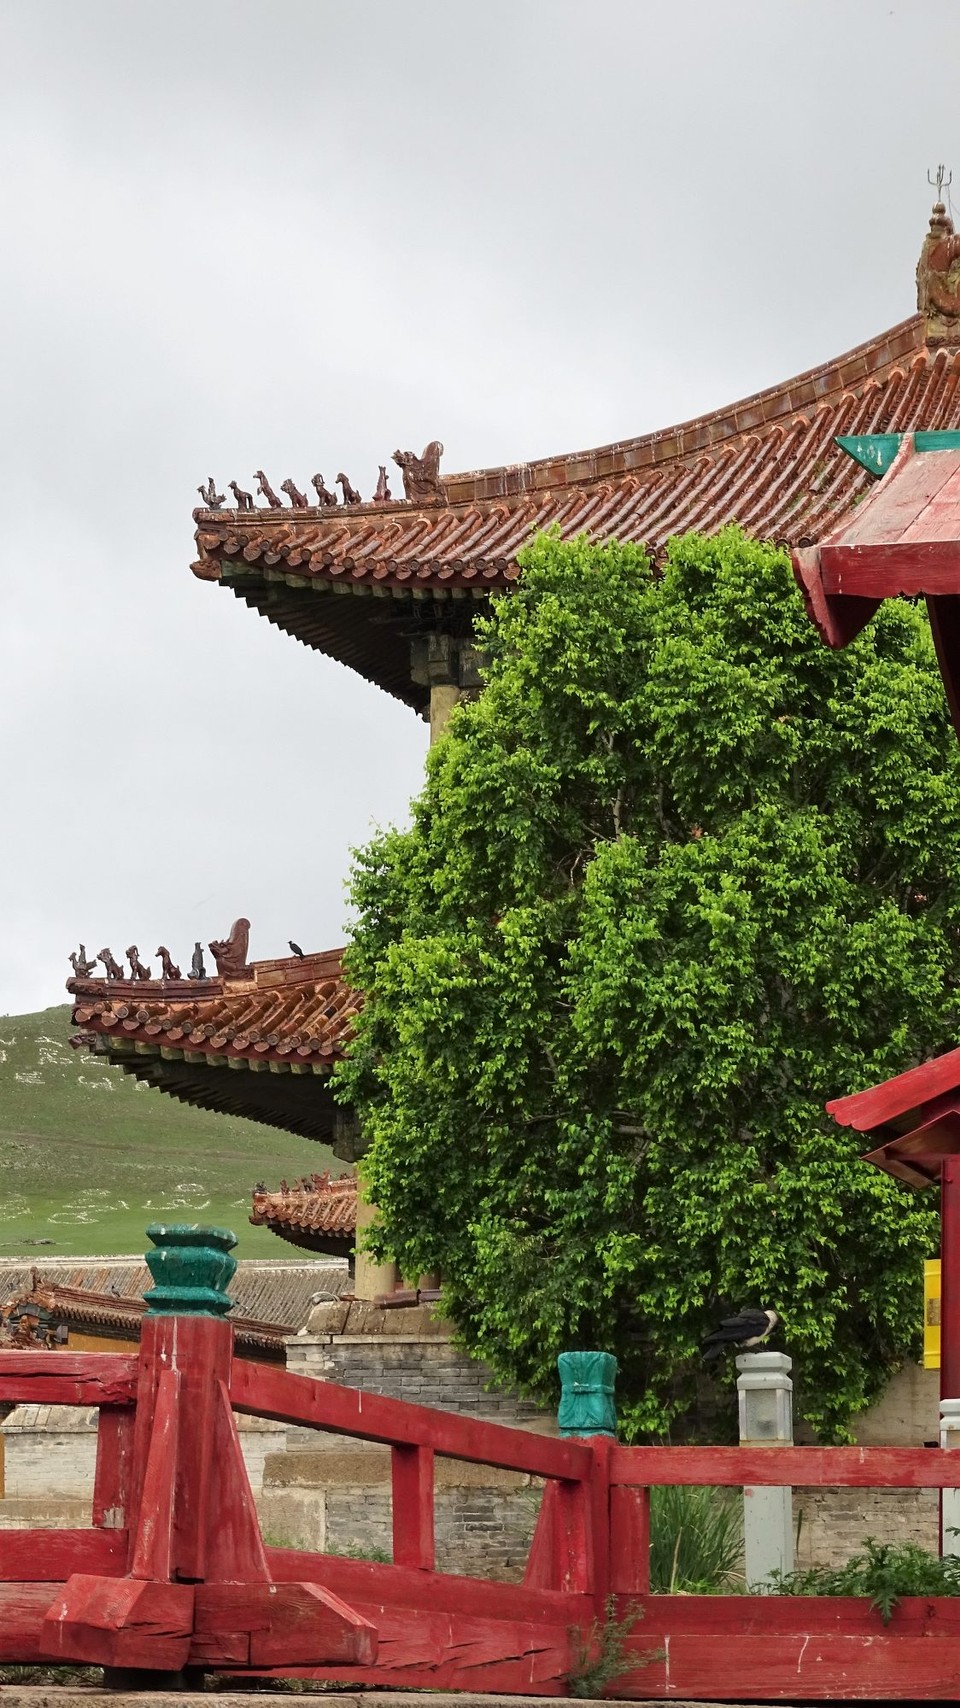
(368, 1582)
(22, 1610)
(797, 1668)
(233, 1548)
(286, 1624)
(597, 1513)
(895, 1098)
(940, 518)
(629, 1541)
(785, 1467)
(263, 1392)
(68, 1378)
(152, 1556)
(412, 1498)
(51, 1556)
(111, 1483)
(540, 1570)
(885, 571)
(120, 1622)
(894, 503)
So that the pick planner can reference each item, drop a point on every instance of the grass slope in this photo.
(88, 1156)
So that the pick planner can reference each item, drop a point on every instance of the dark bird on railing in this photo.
(295, 947)
(740, 1333)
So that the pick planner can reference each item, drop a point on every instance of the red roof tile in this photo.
(319, 1213)
(770, 463)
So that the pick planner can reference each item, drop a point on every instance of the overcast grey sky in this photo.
(292, 235)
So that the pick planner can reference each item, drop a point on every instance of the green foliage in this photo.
(696, 1541)
(884, 1572)
(89, 1156)
(679, 875)
(602, 1652)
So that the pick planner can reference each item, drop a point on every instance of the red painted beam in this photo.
(785, 1467)
(51, 1556)
(262, 1392)
(884, 571)
(68, 1378)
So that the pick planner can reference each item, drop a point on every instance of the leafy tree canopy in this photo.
(679, 875)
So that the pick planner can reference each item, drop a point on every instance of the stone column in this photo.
(370, 1278)
(765, 1402)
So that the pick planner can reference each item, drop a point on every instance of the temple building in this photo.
(391, 587)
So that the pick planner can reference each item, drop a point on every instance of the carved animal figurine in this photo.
(244, 499)
(266, 490)
(82, 968)
(350, 493)
(197, 968)
(231, 954)
(297, 499)
(421, 475)
(324, 495)
(113, 967)
(137, 968)
(211, 497)
(169, 970)
(382, 494)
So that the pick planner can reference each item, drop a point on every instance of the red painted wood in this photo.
(412, 1491)
(597, 1515)
(111, 1485)
(629, 1541)
(898, 1100)
(366, 1581)
(51, 1556)
(838, 620)
(540, 1570)
(152, 1555)
(263, 1392)
(22, 1610)
(785, 1467)
(950, 1278)
(944, 614)
(234, 1547)
(885, 571)
(120, 1622)
(572, 1542)
(68, 1378)
(288, 1624)
(898, 501)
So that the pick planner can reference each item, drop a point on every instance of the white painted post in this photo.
(949, 1498)
(765, 1401)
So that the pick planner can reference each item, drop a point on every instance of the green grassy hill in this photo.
(88, 1156)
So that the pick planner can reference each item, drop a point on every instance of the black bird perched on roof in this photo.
(295, 947)
(743, 1332)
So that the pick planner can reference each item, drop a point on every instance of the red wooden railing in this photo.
(173, 1573)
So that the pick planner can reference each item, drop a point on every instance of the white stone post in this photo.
(765, 1400)
(949, 1498)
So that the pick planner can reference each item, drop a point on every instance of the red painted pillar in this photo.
(950, 1278)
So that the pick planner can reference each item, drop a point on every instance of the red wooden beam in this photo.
(785, 1467)
(412, 1499)
(262, 1392)
(68, 1378)
(885, 571)
(51, 1556)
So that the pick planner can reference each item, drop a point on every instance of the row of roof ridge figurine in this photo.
(230, 954)
(421, 485)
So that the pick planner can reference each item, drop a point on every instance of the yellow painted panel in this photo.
(931, 1314)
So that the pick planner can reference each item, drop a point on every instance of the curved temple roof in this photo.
(261, 1045)
(769, 462)
(319, 1214)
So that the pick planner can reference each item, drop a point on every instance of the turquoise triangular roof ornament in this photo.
(876, 451)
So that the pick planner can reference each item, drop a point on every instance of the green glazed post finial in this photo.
(191, 1268)
(587, 1404)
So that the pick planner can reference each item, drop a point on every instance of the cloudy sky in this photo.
(293, 234)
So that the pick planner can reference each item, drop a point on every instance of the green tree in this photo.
(679, 875)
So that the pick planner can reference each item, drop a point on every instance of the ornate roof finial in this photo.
(938, 270)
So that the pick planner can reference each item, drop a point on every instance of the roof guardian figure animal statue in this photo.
(82, 968)
(266, 490)
(170, 971)
(421, 475)
(350, 493)
(298, 500)
(324, 495)
(113, 967)
(383, 494)
(197, 968)
(231, 953)
(244, 499)
(137, 968)
(742, 1333)
(211, 497)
